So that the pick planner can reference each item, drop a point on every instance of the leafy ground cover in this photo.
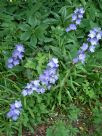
(73, 106)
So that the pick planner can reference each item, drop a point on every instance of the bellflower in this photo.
(94, 36)
(81, 54)
(82, 57)
(76, 19)
(93, 39)
(75, 60)
(50, 76)
(92, 48)
(31, 87)
(17, 55)
(84, 47)
(45, 80)
(15, 109)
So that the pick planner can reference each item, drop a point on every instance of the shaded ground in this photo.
(82, 124)
(39, 131)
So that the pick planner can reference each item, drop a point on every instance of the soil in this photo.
(39, 131)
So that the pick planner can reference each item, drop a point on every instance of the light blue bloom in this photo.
(92, 48)
(76, 19)
(82, 57)
(45, 80)
(72, 27)
(16, 57)
(84, 47)
(75, 60)
(94, 36)
(15, 109)
(93, 39)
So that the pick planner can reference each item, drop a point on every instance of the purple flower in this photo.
(10, 60)
(76, 10)
(93, 39)
(25, 92)
(36, 83)
(81, 11)
(84, 47)
(29, 89)
(17, 55)
(19, 48)
(79, 52)
(10, 65)
(15, 62)
(53, 63)
(78, 15)
(76, 19)
(99, 36)
(50, 76)
(94, 36)
(40, 90)
(92, 48)
(82, 57)
(18, 104)
(45, 80)
(72, 27)
(75, 60)
(15, 110)
(68, 29)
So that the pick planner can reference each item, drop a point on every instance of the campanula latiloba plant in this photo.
(51, 67)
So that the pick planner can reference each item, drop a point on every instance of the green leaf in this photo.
(33, 41)
(90, 93)
(31, 112)
(25, 36)
(83, 2)
(59, 129)
(39, 31)
(46, 40)
(63, 12)
(32, 21)
(30, 64)
(24, 27)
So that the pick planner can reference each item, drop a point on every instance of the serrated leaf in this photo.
(30, 64)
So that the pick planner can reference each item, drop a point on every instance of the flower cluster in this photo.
(15, 110)
(49, 76)
(81, 54)
(17, 55)
(93, 39)
(76, 19)
(45, 80)
(33, 86)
